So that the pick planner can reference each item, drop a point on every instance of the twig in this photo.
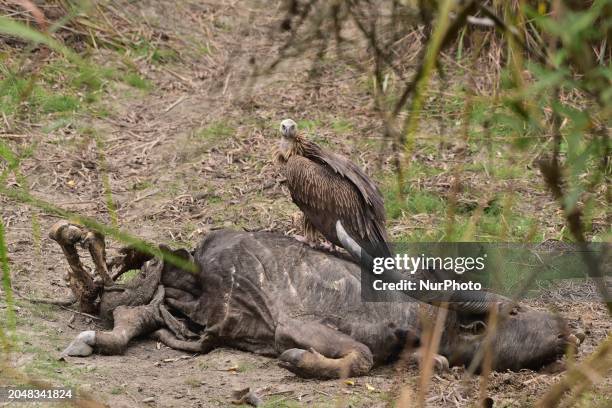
(13, 136)
(81, 313)
(56, 302)
(178, 76)
(142, 197)
(175, 103)
(226, 83)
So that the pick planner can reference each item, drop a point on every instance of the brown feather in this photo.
(328, 187)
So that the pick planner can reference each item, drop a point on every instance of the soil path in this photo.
(193, 154)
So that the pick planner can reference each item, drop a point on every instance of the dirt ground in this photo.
(193, 154)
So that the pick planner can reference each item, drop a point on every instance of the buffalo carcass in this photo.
(271, 295)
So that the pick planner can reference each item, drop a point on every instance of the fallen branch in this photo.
(57, 302)
(81, 313)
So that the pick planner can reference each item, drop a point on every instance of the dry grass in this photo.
(168, 137)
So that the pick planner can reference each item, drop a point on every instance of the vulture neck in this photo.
(291, 147)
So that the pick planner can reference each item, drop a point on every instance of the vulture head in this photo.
(286, 148)
(288, 129)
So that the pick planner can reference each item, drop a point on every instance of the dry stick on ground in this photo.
(57, 302)
(81, 313)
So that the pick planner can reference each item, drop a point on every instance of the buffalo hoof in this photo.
(82, 345)
(303, 363)
(441, 363)
(555, 367)
(291, 359)
(578, 337)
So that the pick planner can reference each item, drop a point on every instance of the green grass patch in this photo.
(215, 131)
(44, 311)
(141, 185)
(39, 344)
(593, 400)
(60, 88)
(172, 189)
(308, 125)
(244, 367)
(14, 91)
(214, 200)
(164, 55)
(159, 54)
(342, 126)
(135, 80)
(413, 201)
(192, 382)
(116, 390)
(89, 77)
(49, 368)
(204, 49)
(508, 172)
(58, 103)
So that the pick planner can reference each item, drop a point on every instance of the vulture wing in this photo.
(328, 187)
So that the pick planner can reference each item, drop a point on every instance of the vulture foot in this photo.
(307, 241)
(328, 247)
(301, 238)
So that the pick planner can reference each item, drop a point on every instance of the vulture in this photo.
(328, 188)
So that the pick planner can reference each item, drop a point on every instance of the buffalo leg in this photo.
(130, 258)
(313, 350)
(82, 284)
(386, 341)
(94, 242)
(129, 322)
(203, 345)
